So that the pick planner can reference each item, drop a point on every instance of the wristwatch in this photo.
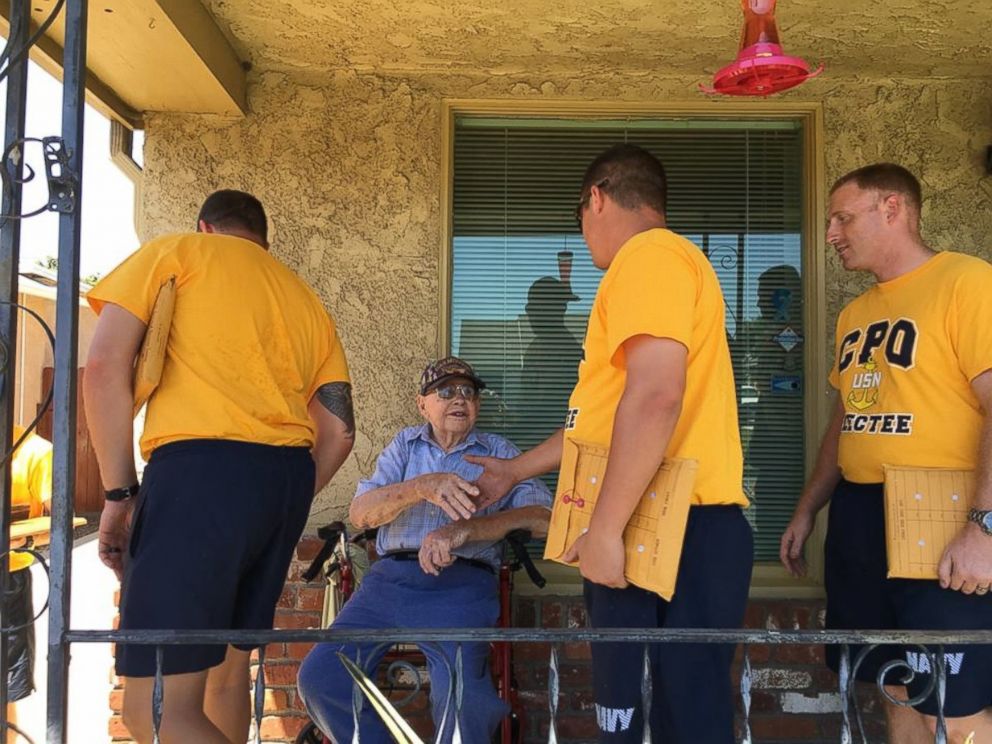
(121, 494)
(983, 518)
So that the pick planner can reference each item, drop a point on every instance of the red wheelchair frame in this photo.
(335, 563)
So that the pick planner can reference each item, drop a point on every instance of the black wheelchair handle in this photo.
(330, 534)
(326, 550)
(517, 540)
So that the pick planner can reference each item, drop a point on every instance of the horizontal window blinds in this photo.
(523, 283)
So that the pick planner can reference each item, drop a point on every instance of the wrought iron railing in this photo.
(929, 643)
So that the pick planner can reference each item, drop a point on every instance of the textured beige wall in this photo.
(348, 166)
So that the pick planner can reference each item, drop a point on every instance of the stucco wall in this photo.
(348, 166)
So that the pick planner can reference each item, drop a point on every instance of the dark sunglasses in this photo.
(447, 392)
(580, 207)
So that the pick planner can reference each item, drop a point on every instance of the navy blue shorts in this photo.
(18, 612)
(213, 534)
(860, 596)
(692, 699)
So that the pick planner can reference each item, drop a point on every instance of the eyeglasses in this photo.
(580, 207)
(447, 392)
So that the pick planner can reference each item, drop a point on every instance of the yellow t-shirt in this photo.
(250, 341)
(661, 285)
(907, 350)
(30, 483)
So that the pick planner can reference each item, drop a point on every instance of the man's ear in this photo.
(422, 405)
(597, 198)
(892, 205)
(205, 227)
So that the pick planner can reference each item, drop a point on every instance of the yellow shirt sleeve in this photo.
(335, 366)
(970, 323)
(135, 283)
(653, 293)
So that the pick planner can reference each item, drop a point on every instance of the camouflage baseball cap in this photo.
(440, 370)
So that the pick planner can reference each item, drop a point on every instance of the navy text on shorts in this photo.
(860, 596)
(692, 698)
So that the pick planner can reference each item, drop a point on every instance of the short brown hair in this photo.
(887, 177)
(229, 209)
(631, 175)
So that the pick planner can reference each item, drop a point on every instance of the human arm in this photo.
(966, 564)
(815, 495)
(646, 416)
(499, 475)
(437, 546)
(383, 504)
(332, 412)
(108, 399)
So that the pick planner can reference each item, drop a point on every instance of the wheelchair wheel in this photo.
(311, 735)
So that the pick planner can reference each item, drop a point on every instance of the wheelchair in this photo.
(343, 561)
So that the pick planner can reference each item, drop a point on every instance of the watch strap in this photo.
(121, 494)
(979, 517)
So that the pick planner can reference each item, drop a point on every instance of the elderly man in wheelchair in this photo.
(438, 543)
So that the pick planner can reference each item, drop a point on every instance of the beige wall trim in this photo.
(210, 44)
(122, 155)
(48, 54)
(818, 393)
(770, 579)
(121, 151)
(446, 177)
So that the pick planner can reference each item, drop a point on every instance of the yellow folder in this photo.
(654, 535)
(924, 509)
(151, 358)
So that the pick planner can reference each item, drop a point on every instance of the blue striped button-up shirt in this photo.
(414, 452)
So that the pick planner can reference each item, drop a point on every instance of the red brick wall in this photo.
(794, 697)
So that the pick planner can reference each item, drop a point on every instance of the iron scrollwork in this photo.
(935, 685)
(63, 182)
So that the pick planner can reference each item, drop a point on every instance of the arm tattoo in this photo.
(336, 398)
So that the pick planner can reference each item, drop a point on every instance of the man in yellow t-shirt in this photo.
(30, 497)
(656, 381)
(913, 370)
(252, 416)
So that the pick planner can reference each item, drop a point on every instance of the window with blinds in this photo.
(523, 282)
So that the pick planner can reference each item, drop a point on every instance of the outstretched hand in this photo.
(496, 480)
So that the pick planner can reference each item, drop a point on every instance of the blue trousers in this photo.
(398, 594)
(692, 699)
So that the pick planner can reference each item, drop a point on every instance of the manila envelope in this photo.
(151, 358)
(653, 537)
(924, 509)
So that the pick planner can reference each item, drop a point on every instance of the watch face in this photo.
(987, 521)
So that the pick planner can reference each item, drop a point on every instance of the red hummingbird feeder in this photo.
(761, 67)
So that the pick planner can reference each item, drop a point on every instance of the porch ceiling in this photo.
(905, 38)
(189, 55)
(146, 55)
